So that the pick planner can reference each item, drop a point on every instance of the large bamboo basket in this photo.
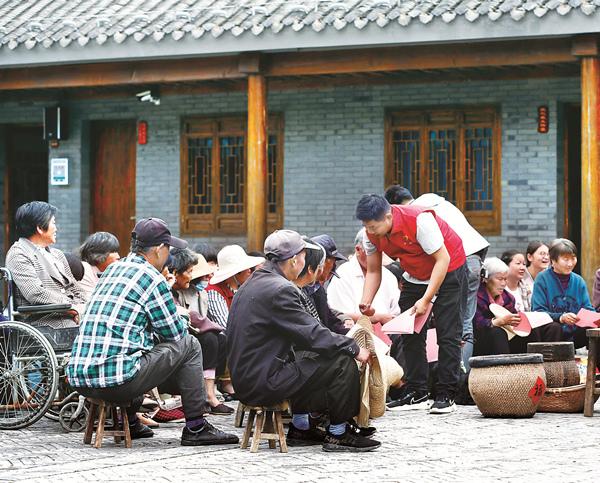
(502, 385)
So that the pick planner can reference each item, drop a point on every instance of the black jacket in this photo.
(266, 323)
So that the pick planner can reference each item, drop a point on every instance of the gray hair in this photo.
(138, 248)
(97, 247)
(493, 266)
(359, 239)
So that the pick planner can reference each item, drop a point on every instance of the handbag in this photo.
(200, 324)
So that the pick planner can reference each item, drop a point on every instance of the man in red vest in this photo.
(433, 258)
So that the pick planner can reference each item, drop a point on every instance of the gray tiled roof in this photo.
(59, 23)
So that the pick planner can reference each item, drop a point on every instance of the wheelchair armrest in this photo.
(43, 309)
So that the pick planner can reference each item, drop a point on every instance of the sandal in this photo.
(147, 420)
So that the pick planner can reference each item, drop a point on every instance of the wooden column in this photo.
(256, 207)
(590, 167)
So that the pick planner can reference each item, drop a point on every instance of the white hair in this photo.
(494, 265)
(359, 239)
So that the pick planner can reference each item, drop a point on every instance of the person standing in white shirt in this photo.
(475, 246)
(344, 292)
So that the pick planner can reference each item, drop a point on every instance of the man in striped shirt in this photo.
(115, 357)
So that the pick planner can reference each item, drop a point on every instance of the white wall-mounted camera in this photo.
(148, 96)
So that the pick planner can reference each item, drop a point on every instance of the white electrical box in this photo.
(59, 171)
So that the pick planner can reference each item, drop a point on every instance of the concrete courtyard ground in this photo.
(416, 446)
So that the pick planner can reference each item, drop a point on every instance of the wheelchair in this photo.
(32, 367)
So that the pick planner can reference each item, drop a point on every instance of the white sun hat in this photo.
(231, 260)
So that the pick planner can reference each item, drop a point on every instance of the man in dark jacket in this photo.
(267, 323)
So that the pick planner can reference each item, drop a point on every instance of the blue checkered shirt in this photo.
(131, 303)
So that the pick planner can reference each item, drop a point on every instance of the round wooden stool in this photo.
(120, 427)
(269, 426)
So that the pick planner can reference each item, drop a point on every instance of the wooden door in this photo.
(112, 181)
(26, 173)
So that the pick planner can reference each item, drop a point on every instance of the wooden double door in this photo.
(112, 183)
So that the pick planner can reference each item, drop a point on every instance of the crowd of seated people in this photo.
(215, 326)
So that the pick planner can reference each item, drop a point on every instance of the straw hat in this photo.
(232, 259)
(377, 377)
(202, 268)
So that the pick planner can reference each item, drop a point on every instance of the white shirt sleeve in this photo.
(368, 246)
(429, 234)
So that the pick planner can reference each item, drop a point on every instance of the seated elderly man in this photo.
(337, 321)
(115, 357)
(42, 274)
(345, 291)
(267, 323)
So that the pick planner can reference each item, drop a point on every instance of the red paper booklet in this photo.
(588, 319)
(407, 323)
(529, 321)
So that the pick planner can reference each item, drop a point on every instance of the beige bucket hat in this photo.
(202, 268)
(233, 259)
(377, 377)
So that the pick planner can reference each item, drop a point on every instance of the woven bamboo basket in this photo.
(559, 362)
(507, 386)
(564, 399)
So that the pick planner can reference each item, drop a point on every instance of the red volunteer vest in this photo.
(401, 243)
(224, 290)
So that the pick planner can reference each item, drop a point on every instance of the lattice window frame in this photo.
(458, 118)
(216, 128)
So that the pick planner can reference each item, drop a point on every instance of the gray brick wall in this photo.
(333, 152)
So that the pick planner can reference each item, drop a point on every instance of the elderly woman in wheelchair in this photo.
(43, 307)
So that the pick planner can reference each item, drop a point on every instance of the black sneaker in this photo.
(361, 431)
(442, 405)
(206, 436)
(221, 410)
(411, 400)
(304, 437)
(139, 430)
(349, 442)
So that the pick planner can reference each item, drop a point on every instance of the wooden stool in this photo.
(120, 429)
(590, 382)
(238, 422)
(268, 426)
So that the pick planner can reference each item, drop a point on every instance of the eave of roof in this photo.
(371, 35)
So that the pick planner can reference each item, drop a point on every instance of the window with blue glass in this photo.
(454, 153)
(213, 171)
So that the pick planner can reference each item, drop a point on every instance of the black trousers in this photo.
(448, 309)
(334, 388)
(173, 367)
(214, 350)
(494, 340)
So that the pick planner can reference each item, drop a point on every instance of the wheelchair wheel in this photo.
(73, 416)
(28, 375)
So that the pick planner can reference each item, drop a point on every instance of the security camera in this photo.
(149, 96)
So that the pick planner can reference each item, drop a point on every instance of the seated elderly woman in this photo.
(42, 274)
(492, 333)
(267, 324)
(562, 293)
(97, 252)
(211, 337)
(234, 268)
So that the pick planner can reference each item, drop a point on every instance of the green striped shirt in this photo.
(131, 304)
